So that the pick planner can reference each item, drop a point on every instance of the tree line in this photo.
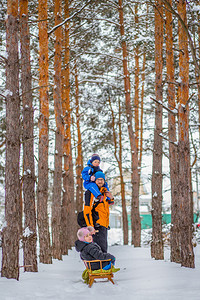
(80, 77)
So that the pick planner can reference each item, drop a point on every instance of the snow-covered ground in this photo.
(140, 278)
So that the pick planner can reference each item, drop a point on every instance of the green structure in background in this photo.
(146, 220)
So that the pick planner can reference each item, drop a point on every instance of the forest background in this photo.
(120, 78)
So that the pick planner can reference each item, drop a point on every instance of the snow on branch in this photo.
(68, 19)
(100, 19)
(113, 3)
(104, 54)
(162, 136)
(174, 111)
(91, 81)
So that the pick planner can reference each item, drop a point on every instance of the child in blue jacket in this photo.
(89, 178)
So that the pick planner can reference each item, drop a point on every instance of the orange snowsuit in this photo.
(97, 210)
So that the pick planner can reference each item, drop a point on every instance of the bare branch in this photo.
(179, 50)
(174, 143)
(3, 58)
(3, 143)
(189, 100)
(194, 147)
(174, 111)
(3, 96)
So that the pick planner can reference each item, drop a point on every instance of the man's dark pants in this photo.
(101, 238)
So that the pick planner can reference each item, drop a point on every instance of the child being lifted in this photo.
(88, 175)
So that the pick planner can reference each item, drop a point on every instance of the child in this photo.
(89, 178)
(90, 250)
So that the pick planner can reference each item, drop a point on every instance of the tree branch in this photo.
(174, 143)
(174, 111)
(105, 54)
(3, 143)
(68, 19)
(100, 19)
(189, 100)
(195, 150)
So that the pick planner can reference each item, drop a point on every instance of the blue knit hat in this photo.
(94, 157)
(99, 174)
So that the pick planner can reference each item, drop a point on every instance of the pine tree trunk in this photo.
(135, 216)
(68, 205)
(198, 77)
(173, 159)
(198, 87)
(65, 87)
(157, 250)
(11, 231)
(129, 116)
(42, 189)
(118, 155)
(142, 110)
(57, 185)
(79, 159)
(30, 233)
(123, 195)
(136, 98)
(136, 222)
(142, 95)
(185, 206)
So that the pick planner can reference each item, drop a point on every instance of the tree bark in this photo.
(185, 204)
(173, 159)
(197, 74)
(79, 159)
(42, 189)
(118, 155)
(128, 109)
(142, 110)
(57, 185)
(11, 231)
(142, 95)
(136, 98)
(198, 86)
(135, 216)
(30, 233)
(122, 183)
(157, 250)
(68, 205)
(185, 28)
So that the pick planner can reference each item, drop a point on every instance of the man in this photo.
(96, 211)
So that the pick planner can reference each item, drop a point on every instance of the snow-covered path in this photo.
(140, 278)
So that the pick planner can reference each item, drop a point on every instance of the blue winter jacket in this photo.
(89, 171)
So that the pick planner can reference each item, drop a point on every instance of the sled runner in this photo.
(96, 274)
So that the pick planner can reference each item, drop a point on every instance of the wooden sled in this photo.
(101, 274)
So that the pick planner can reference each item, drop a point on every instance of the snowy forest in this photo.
(120, 78)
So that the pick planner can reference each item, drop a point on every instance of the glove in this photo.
(92, 178)
(110, 201)
(100, 198)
